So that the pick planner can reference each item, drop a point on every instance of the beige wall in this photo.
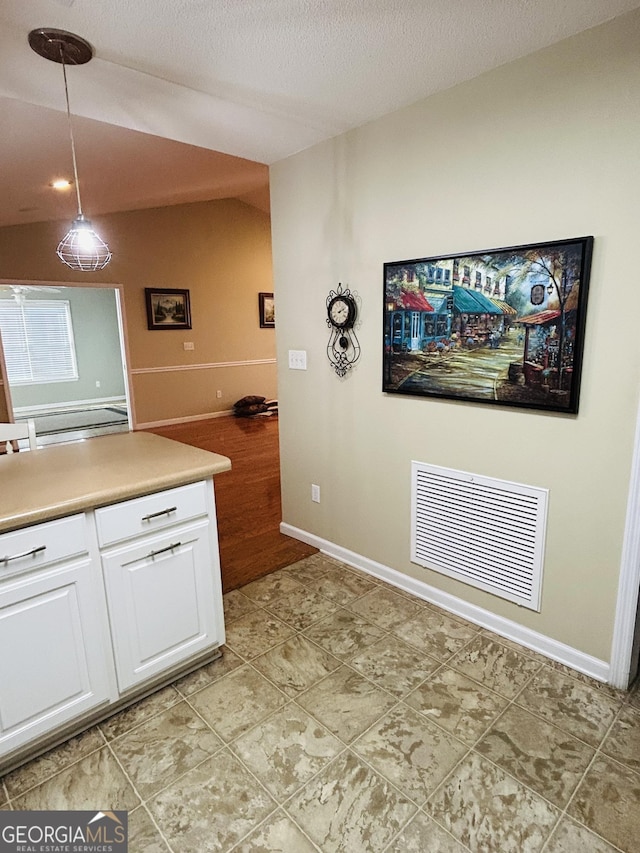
(541, 149)
(220, 251)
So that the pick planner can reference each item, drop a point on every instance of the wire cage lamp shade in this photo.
(81, 248)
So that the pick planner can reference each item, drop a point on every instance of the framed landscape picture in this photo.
(267, 310)
(502, 326)
(167, 309)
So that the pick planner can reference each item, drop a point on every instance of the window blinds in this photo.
(38, 341)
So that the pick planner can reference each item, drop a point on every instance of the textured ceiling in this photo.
(253, 79)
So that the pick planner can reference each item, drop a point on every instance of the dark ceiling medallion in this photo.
(60, 45)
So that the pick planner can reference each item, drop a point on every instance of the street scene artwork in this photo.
(502, 326)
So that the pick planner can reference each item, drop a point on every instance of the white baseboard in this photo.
(546, 646)
(151, 424)
(93, 403)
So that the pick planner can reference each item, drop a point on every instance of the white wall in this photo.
(541, 149)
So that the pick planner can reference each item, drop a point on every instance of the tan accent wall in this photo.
(193, 391)
(221, 252)
(541, 149)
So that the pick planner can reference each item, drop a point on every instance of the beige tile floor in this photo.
(348, 716)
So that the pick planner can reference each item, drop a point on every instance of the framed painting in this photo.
(499, 326)
(167, 308)
(267, 310)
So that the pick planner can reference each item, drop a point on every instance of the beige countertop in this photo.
(66, 478)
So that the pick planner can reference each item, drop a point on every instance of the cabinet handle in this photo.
(30, 553)
(162, 512)
(163, 550)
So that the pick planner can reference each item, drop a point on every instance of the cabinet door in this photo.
(53, 666)
(161, 602)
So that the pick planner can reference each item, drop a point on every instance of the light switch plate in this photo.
(297, 359)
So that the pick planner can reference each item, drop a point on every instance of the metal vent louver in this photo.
(485, 532)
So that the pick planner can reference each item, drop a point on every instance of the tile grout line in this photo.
(597, 753)
(347, 747)
(58, 771)
(265, 820)
(399, 702)
(347, 605)
(562, 812)
(142, 804)
(471, 750)
(511, 702)
(145, 720)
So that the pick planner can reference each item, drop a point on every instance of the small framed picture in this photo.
(167, 308)
(267, 310)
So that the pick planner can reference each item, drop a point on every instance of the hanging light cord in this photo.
(73, 145)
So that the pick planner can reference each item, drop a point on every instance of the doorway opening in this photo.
(65, 359)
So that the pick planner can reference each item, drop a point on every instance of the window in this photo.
(38, 341)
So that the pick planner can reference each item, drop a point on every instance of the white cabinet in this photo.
(162, 580)
(52, 636)
(160, 594)
(100, 607)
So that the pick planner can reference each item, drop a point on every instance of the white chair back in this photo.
(12, 432)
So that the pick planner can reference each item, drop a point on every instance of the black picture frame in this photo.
(266, 310)
(471, 326)
(167, 308)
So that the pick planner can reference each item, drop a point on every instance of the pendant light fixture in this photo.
(81, 248)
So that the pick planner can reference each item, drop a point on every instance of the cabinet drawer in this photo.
(144, 515)
(42, 544)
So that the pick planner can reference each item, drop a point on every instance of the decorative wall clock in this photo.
(343, 349)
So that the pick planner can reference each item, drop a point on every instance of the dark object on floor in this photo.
(250, 400)
(252, 405)
(249, 411)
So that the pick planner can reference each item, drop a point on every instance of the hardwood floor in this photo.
(247, 497)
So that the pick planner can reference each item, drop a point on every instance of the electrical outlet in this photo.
(315, 493)
(297, 359)
(218, 394)
(97, 383)
(189, 345)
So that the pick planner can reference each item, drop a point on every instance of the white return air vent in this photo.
(485, 532)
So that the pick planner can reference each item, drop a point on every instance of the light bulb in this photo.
(81, 248)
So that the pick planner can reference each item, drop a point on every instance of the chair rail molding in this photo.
(211, 366)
